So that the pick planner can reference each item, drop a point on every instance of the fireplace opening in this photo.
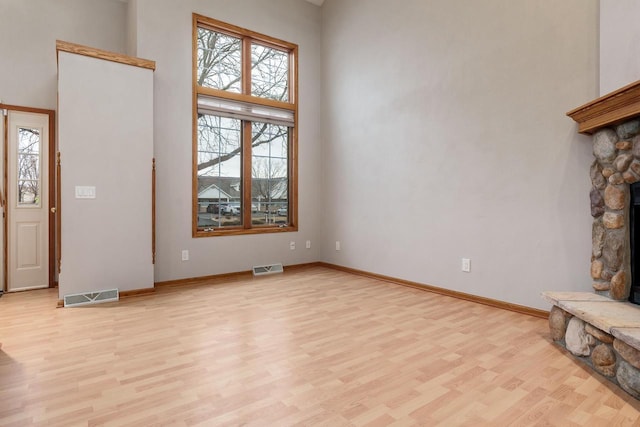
(634, 234)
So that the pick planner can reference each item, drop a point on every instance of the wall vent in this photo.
(75, 300)
(261, 270)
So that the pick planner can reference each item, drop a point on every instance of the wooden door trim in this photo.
(5, 252)
(52, 187)
(153, 211)
(58, 215)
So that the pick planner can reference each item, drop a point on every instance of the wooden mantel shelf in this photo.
(611, 109)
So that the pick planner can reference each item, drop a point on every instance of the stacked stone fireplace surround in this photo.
(602, 328)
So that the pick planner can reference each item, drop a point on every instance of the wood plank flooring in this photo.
(311, 347)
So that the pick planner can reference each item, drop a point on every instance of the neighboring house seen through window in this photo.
(245, 131)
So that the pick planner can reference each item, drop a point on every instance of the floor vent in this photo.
(75, 300)
(261, 270)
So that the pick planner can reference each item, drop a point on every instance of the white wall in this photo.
(619, 44)
(164, 35)
(461, 79)
(445, 137)
(106, 141)
(132, 27)
(28, 33)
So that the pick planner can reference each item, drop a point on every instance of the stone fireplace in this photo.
(601, 327)
(617, 165)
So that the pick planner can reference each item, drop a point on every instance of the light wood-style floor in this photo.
(311, 347)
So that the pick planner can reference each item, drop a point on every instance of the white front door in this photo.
(27, 201)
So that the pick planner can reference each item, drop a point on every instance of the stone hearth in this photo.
(601, 328)
(602, 332)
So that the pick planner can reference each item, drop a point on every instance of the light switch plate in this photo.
(85, 192)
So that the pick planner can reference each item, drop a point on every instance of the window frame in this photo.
(247, 37)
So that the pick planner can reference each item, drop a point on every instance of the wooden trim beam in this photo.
(237, 231)
(62, 46)
(248, 99)
(10, 107)
(608, 110)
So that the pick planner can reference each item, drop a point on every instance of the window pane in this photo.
(269, 174)
(269, 73)
(219, 61)
(219, 172)
(28, 166)
(28, 170)
(28, 141)
(28, 193)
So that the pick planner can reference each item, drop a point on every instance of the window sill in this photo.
(243, 231)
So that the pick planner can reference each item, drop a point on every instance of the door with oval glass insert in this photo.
(27, 201)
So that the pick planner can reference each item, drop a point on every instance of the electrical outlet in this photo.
(338, 246)
(185, 255)
(292, 245)
(466, 265)
(308, 244)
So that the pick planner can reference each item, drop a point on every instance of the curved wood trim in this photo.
(447, 292)
(153, 211)
(611, 109)
(58, 212)
(104, 54)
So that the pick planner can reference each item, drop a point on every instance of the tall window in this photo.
(244, 131)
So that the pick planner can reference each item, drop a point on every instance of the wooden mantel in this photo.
(611, 109)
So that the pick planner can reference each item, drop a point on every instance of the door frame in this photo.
(53, 229)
